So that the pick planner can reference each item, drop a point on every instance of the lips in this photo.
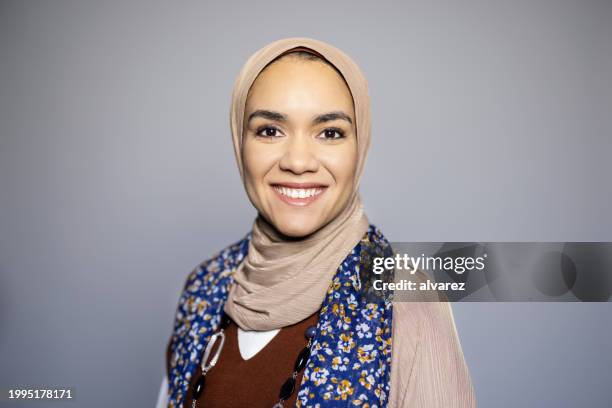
(299, 194)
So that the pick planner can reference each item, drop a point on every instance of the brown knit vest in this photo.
(255, 382)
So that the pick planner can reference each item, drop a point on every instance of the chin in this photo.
(296, 229)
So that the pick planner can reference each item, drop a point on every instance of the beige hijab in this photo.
(283, 282)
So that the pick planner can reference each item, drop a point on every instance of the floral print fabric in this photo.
(350, 361)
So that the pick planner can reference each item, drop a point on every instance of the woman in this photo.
(279, 318)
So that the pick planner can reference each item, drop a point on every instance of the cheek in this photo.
(253, 169)
(258, 159)
(343, 165)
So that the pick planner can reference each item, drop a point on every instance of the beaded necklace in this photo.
(208, 362)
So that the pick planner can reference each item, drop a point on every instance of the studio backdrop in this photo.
(490, 122)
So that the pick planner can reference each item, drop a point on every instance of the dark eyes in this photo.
(332, 133)
(327, 133)
(268, 132)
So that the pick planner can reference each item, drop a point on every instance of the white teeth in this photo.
(298, 192)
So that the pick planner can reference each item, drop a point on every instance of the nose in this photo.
(299, 156)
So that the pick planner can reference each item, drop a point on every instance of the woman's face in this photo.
(299, 145)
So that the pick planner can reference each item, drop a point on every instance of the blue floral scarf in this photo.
(350, 360)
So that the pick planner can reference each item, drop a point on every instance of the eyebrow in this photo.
(279, 117)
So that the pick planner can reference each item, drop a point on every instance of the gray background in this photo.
(491, 122)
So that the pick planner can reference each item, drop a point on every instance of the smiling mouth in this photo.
(299, 194)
